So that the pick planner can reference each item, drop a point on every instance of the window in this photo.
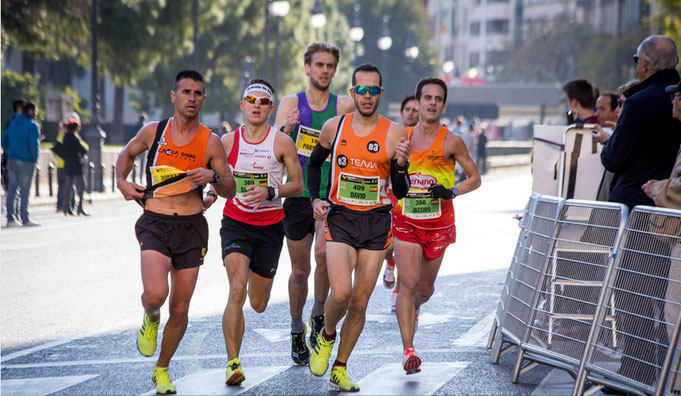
(475, 28)
(474, 58)
(497, 26)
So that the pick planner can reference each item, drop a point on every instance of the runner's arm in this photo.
(345, 105)
(455, 145)
(399, 165)
(287, 114)
(217, 161)
(319, 154)
(137, 145)
(289, 156)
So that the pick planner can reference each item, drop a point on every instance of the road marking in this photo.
(28, 351)
(212, 382)
(41, 385)
(390, 379)
(428, 319)
(274, 335)
(476, 335)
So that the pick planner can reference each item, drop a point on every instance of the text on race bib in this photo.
(306, 140)
(420, 205)
(247, 179)
(162, 173)
(358, 190)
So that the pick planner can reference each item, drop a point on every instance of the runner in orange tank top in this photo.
(183, 157)
(367, 152)
(423, 222)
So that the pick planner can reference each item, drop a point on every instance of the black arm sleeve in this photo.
(399, 176)
(314, 170)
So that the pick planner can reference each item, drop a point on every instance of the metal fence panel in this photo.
(644, 292)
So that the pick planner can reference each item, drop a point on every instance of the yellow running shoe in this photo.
(235, 375)
(146, 339)
(162, 381)
(319, 356)
(339, 380)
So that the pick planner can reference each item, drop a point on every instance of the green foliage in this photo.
(669, 20)
(80, 105)
(20, 86)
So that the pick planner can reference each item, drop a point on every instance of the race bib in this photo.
(358, 190)
(420, 205)
(306, 140)
(162, 173)
(246, 179)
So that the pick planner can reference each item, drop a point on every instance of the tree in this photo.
(16, 86)
(669, 20)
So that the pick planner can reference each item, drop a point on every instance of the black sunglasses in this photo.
(635, 58)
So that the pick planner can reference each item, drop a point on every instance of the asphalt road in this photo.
(70, 309)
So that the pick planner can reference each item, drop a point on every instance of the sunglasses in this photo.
(363, 89)
(635, 58)
(263, 101)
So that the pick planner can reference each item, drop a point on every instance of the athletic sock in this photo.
(297, 325)
(317, 308)
(328, 337)
(338, 363)
(391, 262)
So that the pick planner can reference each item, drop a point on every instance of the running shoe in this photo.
(393, 298)
(319, 357)
(299, 351)
(146, 339)
(235, 375)
(162, 381)
(339, 380)
(389, 275)
(411, 362)
(316, 326)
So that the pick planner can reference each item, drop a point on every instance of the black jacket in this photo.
(646, 140)
(73, 154)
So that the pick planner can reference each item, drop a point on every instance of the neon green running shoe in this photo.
(146, 339)
(339, 380)
(319, 356)
(162, 381)
(235, 375)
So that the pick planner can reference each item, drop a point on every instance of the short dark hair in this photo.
(367, 67)
(28, 107)
(613, 100)
(427, 81)
(261, 81)
(193, 74)
(582, 91)
(321, 47)
(18, 104)
(405, 101)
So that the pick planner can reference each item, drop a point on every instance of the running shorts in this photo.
(298, 218)
(261, 244)
(432, 242)
(182, 238)
(369, 229)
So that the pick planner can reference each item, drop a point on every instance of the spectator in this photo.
(225, 128)
(581, 97)
(143, 156)
(17, 107)
(606, 106)
(74, 150)
(21, 142)
(57, 150)
(643, 147)
(409, 111)
(469, 140)
(482, 149)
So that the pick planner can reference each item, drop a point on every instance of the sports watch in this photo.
(216, 177)
(455, 191)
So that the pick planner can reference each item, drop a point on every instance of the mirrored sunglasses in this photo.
(363, 89)
(262, 100)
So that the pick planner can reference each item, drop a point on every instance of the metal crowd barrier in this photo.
(646, 285)
(532, 256)
(568, 289)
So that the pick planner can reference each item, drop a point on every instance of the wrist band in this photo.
(212, 194)
(276, 192)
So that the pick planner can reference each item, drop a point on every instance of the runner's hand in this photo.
(320, 209)
(130, 190)
(201, 176)
(403, 151)
(440, 191)
(292, 120)
(255, 196)
(208, 201)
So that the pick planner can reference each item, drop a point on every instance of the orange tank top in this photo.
(167, 163)
(426, 168)
(361, 167)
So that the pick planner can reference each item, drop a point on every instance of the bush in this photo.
(23, 86)
(79, 104)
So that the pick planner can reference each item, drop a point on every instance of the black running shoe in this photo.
(316, 326)
(299, 352)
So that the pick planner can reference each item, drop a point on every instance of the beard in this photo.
(370, 113)
(319, 86)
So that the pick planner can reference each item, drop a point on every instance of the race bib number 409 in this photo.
(420, 205)
(358, 190)
(247, 179)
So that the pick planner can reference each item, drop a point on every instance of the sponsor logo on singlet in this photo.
(373, 146)
(177, 153)
(421, 181)
(363, 164)
(342, 161)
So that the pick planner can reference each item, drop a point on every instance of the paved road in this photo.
(70, 312)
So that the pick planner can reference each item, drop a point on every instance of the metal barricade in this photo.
(510, 275)
(645, 286)
(571, 281)
(541, 229)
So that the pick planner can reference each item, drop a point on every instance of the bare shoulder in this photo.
(288, 101)
(396, 130)
(332, 123)
(283, 140)
(228, 138)
(345, 104)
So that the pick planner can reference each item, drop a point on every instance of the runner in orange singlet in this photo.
(423, 221)
(367, 151)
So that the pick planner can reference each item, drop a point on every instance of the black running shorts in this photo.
(298, 218)
(261, 244)
(371, 229)
(182, 238)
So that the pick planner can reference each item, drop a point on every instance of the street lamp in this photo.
(94, 136)
(279, 9)
(356, 31)
(318, 19)
(448, 67)
(385, 41)
(411, 50)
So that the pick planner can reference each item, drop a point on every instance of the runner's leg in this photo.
(321, 274)
(409, 257)
(259, 289)
(341, 260)
(155, 268)
(299, 251)
(236, 265)
(429, 271)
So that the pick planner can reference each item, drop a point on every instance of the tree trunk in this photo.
(117, 129)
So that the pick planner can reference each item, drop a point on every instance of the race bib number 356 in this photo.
(247, 179)
(419, 205)
(358, 190)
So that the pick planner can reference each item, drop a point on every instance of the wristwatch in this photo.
(216, 177)
(455, 191)
(212, 194)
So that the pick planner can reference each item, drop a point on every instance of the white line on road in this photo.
(38, 348)
(212, 382)
(274, 335)
(390, 379)
(476, 335)
(41, 385)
